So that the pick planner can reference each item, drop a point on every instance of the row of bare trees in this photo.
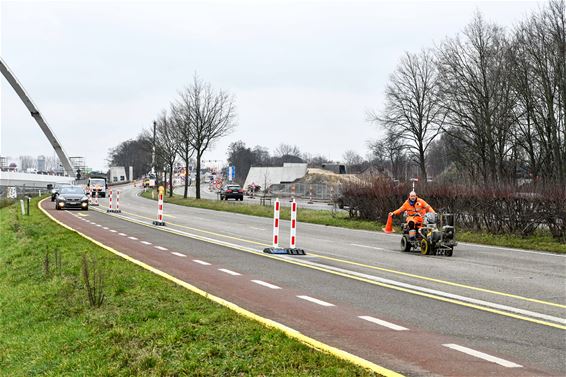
(197, 118)
(493, 101)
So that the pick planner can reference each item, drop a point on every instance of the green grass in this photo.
(541, 241)
(146, 325)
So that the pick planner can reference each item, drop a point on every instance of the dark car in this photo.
(231, 191)
(56, 189)
(72, 197)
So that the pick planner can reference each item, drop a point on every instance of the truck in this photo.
(97, 184)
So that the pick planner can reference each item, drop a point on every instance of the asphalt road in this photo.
(505, 303)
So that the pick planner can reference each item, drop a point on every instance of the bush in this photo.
(497, 209)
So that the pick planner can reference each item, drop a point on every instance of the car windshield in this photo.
(97, 182)
(72, 190)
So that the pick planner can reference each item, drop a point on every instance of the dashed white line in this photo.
(367, 247)
(484, 356)
(178, 254)
(122, 234)
(133, 238)
(201, 262)
(315, 300)
(98, 225)
(113, 231)
(229, 272)
(146, 243)
(253, 227)
(161, 248)
(105, 228)
(268, 285)
(381, 322)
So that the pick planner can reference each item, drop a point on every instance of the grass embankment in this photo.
(541, 241)
(145, 326)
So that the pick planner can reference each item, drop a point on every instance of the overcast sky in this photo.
(302, 72)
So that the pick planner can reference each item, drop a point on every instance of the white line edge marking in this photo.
(367, 247)
(484, 356)
(133, 238)
(201, 262)
(474, 301)
(161, 248)
(105, 228)
(145, 242)
(113, 231)
(253, 227)
(268, 285)
(98, 225)
(229, 272)
(381, 322)
(178, 254)
(315, 300)
(122, 234)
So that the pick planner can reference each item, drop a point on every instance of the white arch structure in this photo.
(38, 118)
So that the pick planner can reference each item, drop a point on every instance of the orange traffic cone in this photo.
(389, 226)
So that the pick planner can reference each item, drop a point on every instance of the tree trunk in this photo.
(171, 180)
(197, 176)
(186, 179)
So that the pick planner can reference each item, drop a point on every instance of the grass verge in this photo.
(541, 241)
(145, 326)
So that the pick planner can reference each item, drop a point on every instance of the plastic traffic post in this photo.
(110, 201)
(159, 220)
(293, 236)
(275, 249)
(110, 196)
(95, 203)
(276, 213)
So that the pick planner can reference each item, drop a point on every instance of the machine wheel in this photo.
(425, 247)
(405, 244)
(449, 252)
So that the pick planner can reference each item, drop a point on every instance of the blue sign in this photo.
(231, 173)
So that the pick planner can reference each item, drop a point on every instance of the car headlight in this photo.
(60, 197)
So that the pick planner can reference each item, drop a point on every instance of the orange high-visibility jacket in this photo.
(420, 208)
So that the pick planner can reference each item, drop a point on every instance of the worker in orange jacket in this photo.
(415, 208)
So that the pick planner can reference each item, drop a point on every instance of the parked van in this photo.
(97, 184)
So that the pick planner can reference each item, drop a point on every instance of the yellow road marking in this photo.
(384, 285)
(292, 333)
(345, 261)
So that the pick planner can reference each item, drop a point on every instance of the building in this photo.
(267, 176)
(41, 163)
(117, 174)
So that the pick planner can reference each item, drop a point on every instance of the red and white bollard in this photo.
(159, 220)
(276, 213)
(95, 203)
(109, 201)
(293, 238)
(117, 210)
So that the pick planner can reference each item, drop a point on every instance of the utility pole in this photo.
(153, 149)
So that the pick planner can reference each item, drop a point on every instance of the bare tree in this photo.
(210, 115)
(412, 107)
(181, 120)
(539, 81)
(287, 150)
(167, 144)
(390, 152)
(27, 162)
(476, 94)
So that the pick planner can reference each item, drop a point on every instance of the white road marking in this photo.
(229, 272)
(443, 294)
(133, 238)
(367, 247)
(161, 248)
(315, 300)
(146, 243)
(381, 322)
(201, 262)
(511, 249)
(268, 285)
(113, 231)
(122, 234)
(178, 254)
(82, 215)
(98, 225)
(253, 227)
(105, 228)
(484, 356)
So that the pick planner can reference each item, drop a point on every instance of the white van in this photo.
(97, 184)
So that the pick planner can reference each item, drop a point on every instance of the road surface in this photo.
(484, 311)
